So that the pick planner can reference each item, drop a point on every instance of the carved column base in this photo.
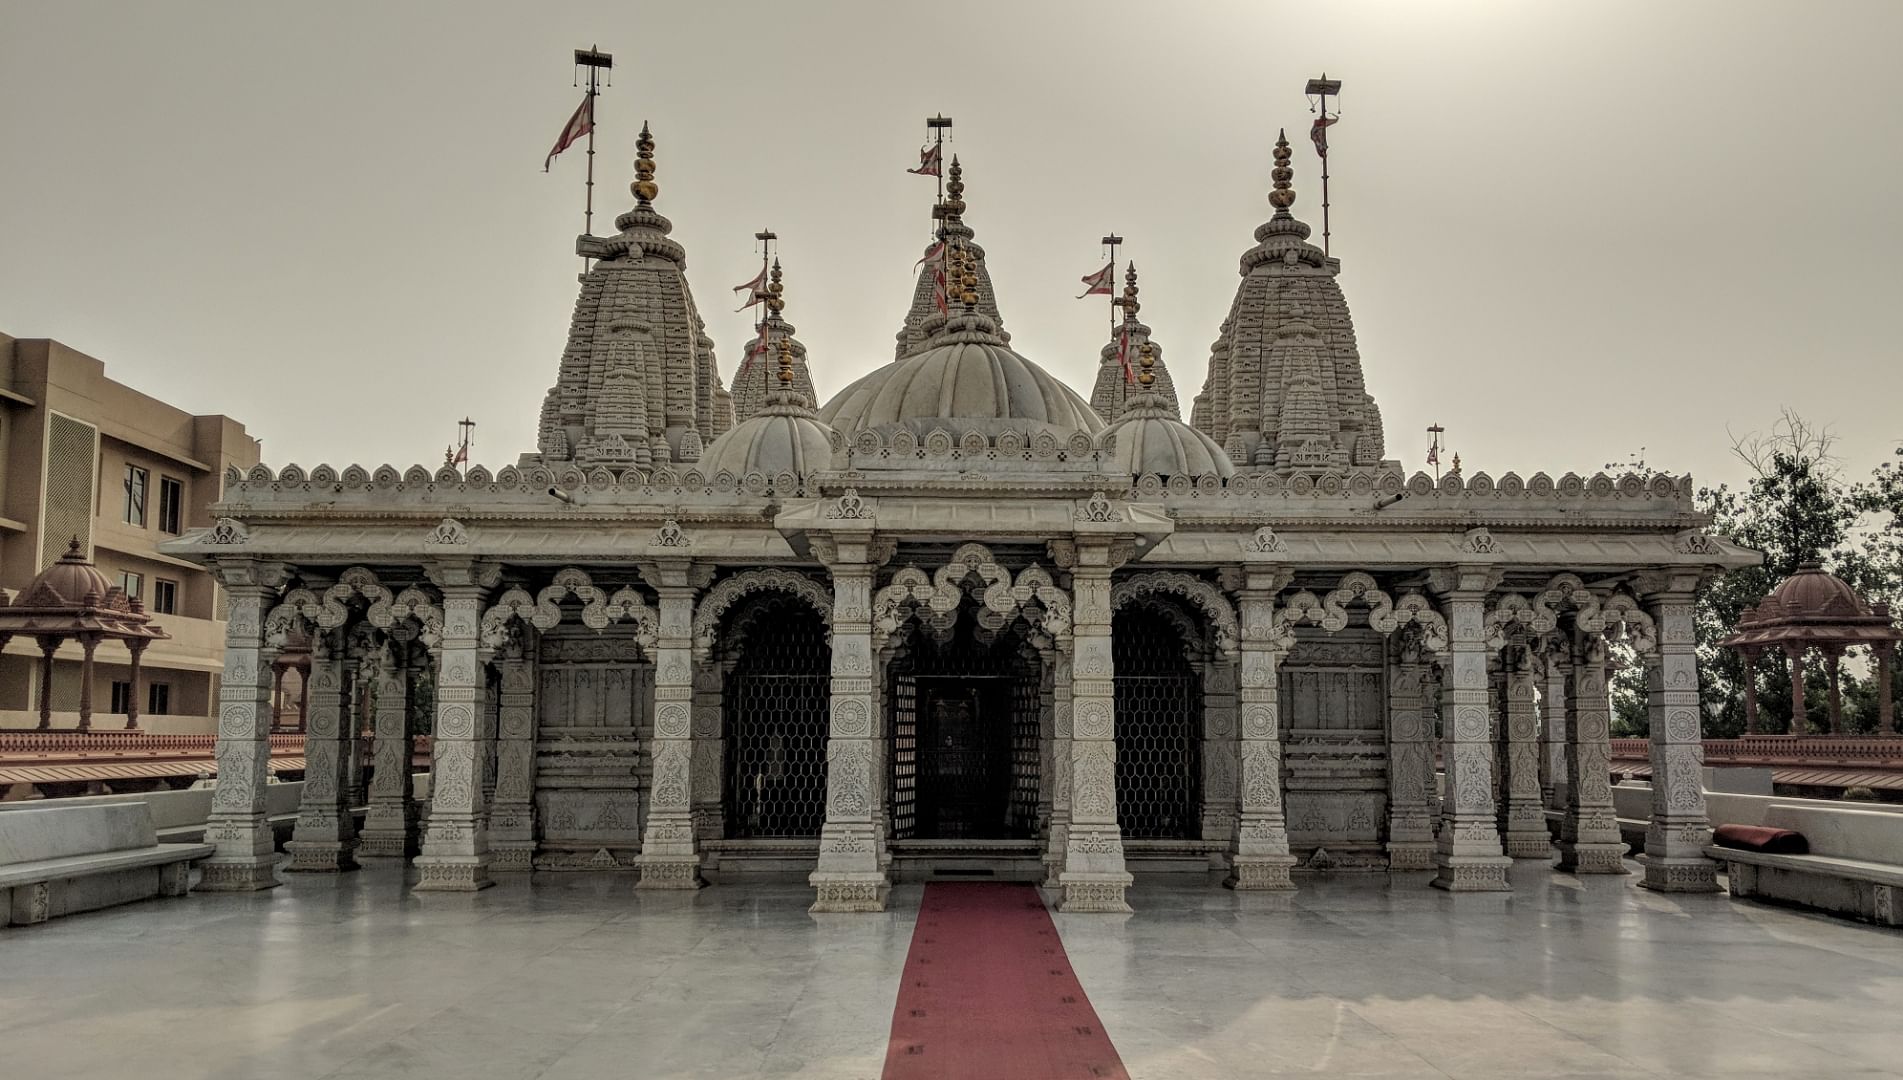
(1471, 873)
(1054, 852)
(512, 857)
(1261, 873)
(1588, 857)
(321, 856)
(1406, 855)
(384, 845)
(849, 893)
(1679, 875)
(1094, 893)
(452, 873)
(669, 872)
(238, 875)
(1527, 844)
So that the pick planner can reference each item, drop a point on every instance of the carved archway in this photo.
(543, 611)
(729, 591)
(972, 568)
(1224, 630)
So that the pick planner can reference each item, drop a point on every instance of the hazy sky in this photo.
(1568, 230)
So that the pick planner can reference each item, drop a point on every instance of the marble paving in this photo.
(577, 977)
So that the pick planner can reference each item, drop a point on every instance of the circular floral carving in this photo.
(1093, 720)
(456, 722)
(851, 719)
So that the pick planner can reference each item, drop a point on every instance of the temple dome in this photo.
(1149, 439)
(1813, 592)
(783, 437)
(968, 376)
(72, 581)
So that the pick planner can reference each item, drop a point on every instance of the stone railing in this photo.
(111, 743)
(1820, 750)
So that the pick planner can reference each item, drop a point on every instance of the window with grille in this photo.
(165, 596)
(158, 699)
(1159, 713)
(135, 483)
(171, 505)
(775, 707)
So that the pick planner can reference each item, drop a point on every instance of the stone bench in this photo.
(65, 860)
(1855, 864)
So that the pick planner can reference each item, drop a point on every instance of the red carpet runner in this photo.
(988, 994)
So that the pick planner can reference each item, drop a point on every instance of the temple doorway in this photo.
(965, 728)
(774, 708)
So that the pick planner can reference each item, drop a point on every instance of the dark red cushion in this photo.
(1761, 838)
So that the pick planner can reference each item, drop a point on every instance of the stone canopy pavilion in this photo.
(958, 616)
(72, 601)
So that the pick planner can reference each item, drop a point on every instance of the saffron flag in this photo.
(928, 158)
(1318, 133)
(462, 455)
(934, 255)
(578, 125)
(1101, 282)
(756, 290)
(1433, 453)
(938, 291)
(1123, 357)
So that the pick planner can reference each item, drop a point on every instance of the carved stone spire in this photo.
(1113, 389)
(638, 383)
(1285, 387)
(758, 376)
(924, 321)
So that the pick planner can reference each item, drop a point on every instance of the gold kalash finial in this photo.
(775, 300)
(644, 187)
(1283, 196)
(954, 203)
(1128, 301)
(1147, 356)
(786, 363)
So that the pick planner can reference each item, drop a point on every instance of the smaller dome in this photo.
(784, 437)
(67, 583)
(1813, 591)
(1151, 440)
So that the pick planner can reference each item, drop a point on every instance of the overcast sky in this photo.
(1567, 230)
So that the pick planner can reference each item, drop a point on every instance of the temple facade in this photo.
(959, 617)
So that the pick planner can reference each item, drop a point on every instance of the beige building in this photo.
(84, 456)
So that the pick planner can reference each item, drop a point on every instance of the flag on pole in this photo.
(1101, 282)
(756, 290)
(928, 158)
(1433, 452)
(462, 455)
(934, 255)
(578, 125)
(938, 290)
(1318, 133)
(1123, 357)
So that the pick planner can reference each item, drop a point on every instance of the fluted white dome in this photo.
(783, 437)
(1149, 439)
(968, 375)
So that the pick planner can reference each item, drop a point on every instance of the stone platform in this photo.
(579, 976)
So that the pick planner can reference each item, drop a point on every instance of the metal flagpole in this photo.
(1323, 88)
(1111, 241)
(766, 237)
(596, 62)
(937, 126)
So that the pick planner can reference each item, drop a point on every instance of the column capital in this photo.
(470, 574)
(1667, 585)
(674, 573)
(1467, 582)
(250, 576)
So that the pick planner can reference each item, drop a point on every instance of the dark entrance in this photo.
(1159, 736)
(965, 719)
(775, 712)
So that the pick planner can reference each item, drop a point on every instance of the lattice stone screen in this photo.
(775, 707)
(66, 510)
(1159, 730)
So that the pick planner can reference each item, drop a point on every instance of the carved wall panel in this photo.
(594, 708)
(1335, 754)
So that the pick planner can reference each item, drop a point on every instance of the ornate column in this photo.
(246, 850)
(88, 644)
(1589, 841)
(48, 646)
(848, 876)
(1094, 877)
(1062, 731)
(512, 814)
(670, 854)
(389, 825)
(1524, 835)
(136, 647)
(710, 757)
(455, 854)
(1046, 742)
(1467, 852)
(1674, 859)
(1219, 748)
(1259, 856)
(325, 837)
(1556, 661)
(1410, 761)
(1799, 715)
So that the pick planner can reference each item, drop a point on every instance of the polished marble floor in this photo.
(577, 977)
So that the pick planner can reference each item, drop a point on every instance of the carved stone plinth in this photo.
(1410, 856)
(1472, 873)
(1580, 857)
(232, 875)
(1262, 873)
(449, 874)
(321, 856)
(1104, 895)
(512, 858)
(384, 845)
(846, 896)
(1528, 846)
(1671, 875)
(669, 872)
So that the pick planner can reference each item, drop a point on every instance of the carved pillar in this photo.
(512, 814)
(1062, 731)
(1799, 717)
(1046, 743)
(48, 646)
(1589, 841)
(1410, 762)
(1557, 660)
(670, 854)
(389, 824)
(455, 854)
(88, 644)
(246, 850)
(325, 838)
(277, 694)
(849, 876)
(1524, 835)
(1219, 748)
(710, 757)
(1674, 859)
(1259, 856)
(488, 721)
(1748, 659)
(137, 648)
(1467, 852)
(1094, 877)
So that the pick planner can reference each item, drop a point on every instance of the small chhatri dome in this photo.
(1112, 387)
(72, 581)
(1812, 607)
(783, 436)
(1148, 438)
(1813, 591)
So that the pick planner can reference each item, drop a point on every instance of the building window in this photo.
(171, 503)
(158, 699)
(131, 584)
(121, 697)
(165, 596)
(136, 480)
